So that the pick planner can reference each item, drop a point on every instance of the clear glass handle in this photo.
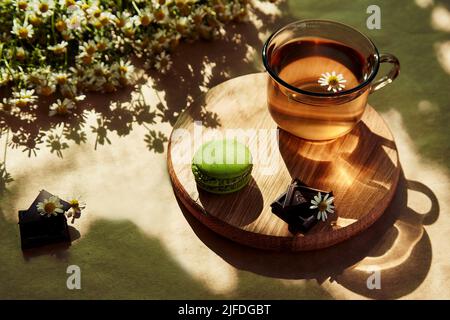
(393, 73)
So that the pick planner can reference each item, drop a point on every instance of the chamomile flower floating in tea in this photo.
(50, 207)
(323, 205)
(334, 82)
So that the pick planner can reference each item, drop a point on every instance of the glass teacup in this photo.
(321, 73)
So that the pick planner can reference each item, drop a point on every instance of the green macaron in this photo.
(222, 166)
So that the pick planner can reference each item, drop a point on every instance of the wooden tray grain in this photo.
(361, 168)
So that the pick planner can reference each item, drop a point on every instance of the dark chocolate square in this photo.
(37, 230)
(293, 206)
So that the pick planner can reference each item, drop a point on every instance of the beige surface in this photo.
(124, 181)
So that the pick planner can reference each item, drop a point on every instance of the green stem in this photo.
(8, 68)
(53, 28)
(136, 7)
(6, 148)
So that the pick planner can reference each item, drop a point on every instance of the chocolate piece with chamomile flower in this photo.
(222, 166)
(294, 206)
(37, 230)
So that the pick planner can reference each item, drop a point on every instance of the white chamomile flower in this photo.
(145, 17)
(67, 3)
(24, 30)
(161, 14)
(50, 207)
(44, 7)
(47, 87)
(61, 108)
(61, 78)
(106, 18)
(76, 205)
(334, 82)
(161, 36)
(21, 4)
(85, 59)
(121, 18)
(102, 43)
(5, 77)
(124, 69)
(59, 48)
(68, 90)
(21, 54)
(89, 47)
(94, 11)
(76, 19)
(23, 98)
(324, 205)
(182, 24)
(163, 62)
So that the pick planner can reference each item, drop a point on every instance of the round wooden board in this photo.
(361, 168)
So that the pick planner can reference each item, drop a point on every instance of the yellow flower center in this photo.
(120, 22)
(62, 109)
(46, 91)
(70, 3)
(98, 72)
(43, 7)
(104, 20)
(74, 204)
(87, 59)
(145, 20)
(59, 50)
(60, 25)
(180, 27)
(101, 46)
(90, 50)
(22, 5)
(20, 55)
(35, 20)
(159, 15)
(333, 81)
(23, 32)
(49, 207)
(21, 103)
(61, 79)
(123, 69)
(74, 20)
(322, 206)
(129, 32)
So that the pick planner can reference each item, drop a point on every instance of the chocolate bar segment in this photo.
(293, 206)
(37, 230)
